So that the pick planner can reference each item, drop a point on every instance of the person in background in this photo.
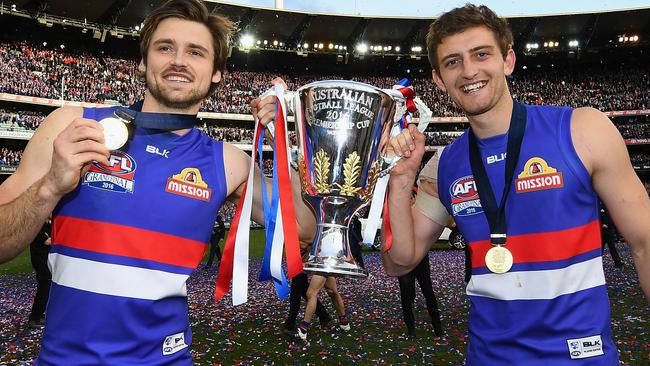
(299, 285)
(608, 235)
(38, 252)
(315, 286)
(421, 273)
(218, 232)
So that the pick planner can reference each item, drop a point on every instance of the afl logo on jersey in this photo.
(116, 177)
(537, 176)
(189, 183)
(464, 197)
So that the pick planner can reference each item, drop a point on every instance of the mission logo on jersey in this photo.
(189, 183)
(537, 175)
(116, 177)
(464, 197)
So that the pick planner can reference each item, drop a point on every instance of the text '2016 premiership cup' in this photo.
(343, 130)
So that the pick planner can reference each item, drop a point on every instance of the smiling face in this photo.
(473, 70)
(180, 65)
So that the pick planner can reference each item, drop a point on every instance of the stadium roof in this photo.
(591, 30)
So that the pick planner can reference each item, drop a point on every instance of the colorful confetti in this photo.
(251, 334)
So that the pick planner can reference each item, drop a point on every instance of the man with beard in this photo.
(522, 185)
(132, 222)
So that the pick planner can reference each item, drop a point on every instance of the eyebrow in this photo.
(171, 41)
(477, 48)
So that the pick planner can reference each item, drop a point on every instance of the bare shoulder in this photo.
(594, 137)
(236, 166)
(37, 157)
(57, 121)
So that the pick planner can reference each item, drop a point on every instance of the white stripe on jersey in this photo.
(115, 279)
(538, 285)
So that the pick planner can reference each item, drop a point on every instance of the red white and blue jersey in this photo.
(124, 244)
(552, 307)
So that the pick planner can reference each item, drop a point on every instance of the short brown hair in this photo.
(462, 18)
(221, 28)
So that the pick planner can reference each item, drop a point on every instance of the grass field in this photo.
(249, 334)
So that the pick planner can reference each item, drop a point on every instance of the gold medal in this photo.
(498, 259)
(115, 132)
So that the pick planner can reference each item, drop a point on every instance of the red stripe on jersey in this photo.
(544, 247)
(126, 241)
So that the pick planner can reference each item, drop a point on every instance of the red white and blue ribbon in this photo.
(234, 261)
(379, 201)
(279, 220)
(280, 211)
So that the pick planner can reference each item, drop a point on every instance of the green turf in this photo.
(19, 264)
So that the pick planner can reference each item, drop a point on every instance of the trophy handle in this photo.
(289, 97)
(388, 163)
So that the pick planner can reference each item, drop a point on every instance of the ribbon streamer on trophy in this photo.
(401, 91)
(279, 220)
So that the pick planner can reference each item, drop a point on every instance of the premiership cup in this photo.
(343, 129)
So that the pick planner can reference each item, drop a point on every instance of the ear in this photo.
(142, 67)
(216, 77)
(438, 80)
(509, 64)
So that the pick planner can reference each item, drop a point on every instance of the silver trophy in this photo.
(343, 129)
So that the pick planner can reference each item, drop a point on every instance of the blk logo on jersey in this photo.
(174, 343)
(189, 183)
(538, 175)
(464, 197)
(585, 347)
(155, 150)
(116, 177)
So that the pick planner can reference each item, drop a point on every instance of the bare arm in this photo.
(51, 167)
(413, 232)
(616, 183)
(237, 168)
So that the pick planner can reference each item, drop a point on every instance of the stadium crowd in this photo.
(34, 70)
(10, 157)
(28, 120)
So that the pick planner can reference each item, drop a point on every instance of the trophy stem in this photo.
(331, 255)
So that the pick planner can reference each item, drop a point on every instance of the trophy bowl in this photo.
(343, 129)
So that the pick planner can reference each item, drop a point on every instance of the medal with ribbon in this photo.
(118, 128)
(498, 259)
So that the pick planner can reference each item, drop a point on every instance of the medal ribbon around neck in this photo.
(156, 121)
(118, 129)
(496, 215)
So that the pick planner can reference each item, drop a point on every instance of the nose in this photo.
(470, 69)
(179, 59)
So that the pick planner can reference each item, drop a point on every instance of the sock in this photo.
(343, 320)
(304, 325)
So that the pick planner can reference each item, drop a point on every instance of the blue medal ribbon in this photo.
(156, 121)
(270, 214)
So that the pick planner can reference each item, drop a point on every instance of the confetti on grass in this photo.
(250, 334)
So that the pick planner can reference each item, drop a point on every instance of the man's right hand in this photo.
(409, 144)
(79, 144)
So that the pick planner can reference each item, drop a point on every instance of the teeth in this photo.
(178, 78)
(472, 87)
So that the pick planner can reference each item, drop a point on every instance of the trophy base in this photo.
(327, 267)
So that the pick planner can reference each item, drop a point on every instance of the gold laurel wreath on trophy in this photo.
(322, 169)
(373, 174)
(351, 172)
(302, 171)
